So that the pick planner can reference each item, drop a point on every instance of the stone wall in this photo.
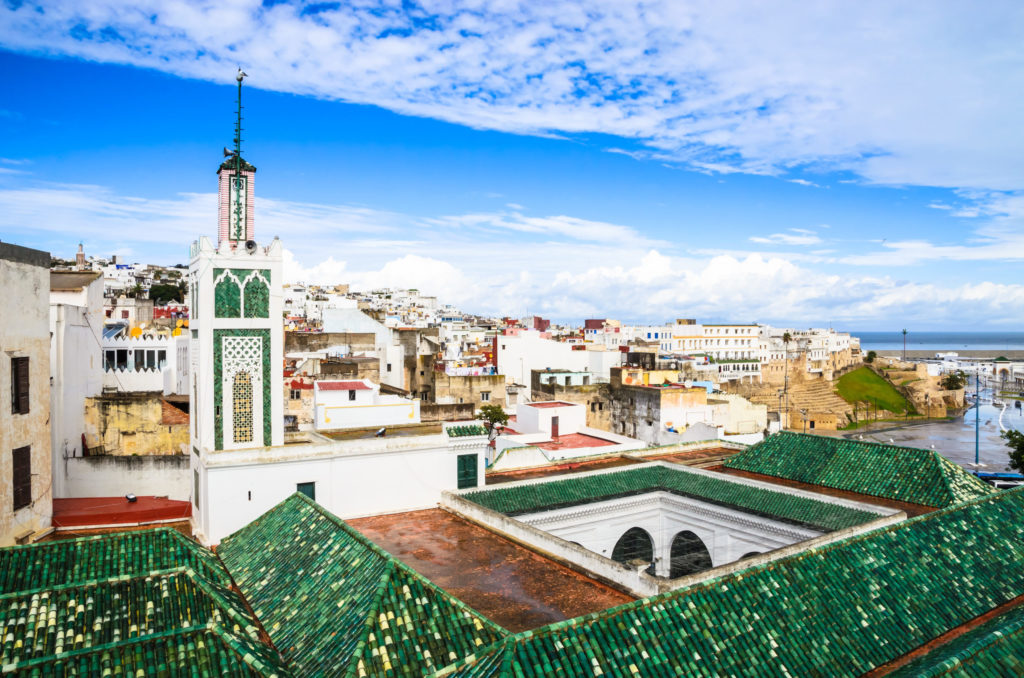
(431, 412)
(135, 424)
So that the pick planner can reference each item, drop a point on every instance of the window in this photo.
(295, 394)
(108, 361)
(124, 315)
(195, 487)
(21, 478)
(19, 386)
(422, 373)
(485, 396)
(389, 367)
(308, 489)
(352, 395)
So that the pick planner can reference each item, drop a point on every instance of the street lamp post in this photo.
(803, 413)
(904, 344)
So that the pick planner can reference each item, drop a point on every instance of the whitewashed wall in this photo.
(116, 476)
(353, 478)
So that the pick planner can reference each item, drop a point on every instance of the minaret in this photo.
(235, 194)
(236, 328)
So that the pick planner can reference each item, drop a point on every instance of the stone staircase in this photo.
(813, 396)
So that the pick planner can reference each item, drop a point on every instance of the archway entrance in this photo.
(688, 555)
(635, 544)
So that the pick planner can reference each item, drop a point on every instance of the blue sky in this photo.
(858, 166)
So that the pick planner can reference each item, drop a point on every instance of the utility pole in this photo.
(977, 412)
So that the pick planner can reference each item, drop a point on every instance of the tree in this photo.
(954, 380)
(161, 294)
(492, 415)
(1015, 441)
(870, 358)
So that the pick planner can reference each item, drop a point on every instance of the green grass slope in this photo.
(864, 386)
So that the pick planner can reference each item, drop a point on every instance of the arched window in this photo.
(257, 298)
(635, 544)
(241, 404)
(689, 555)
(750, 555)
(227, 298)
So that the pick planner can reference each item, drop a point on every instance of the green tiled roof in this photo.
(136, 603)
(466, 430)
(336, 604)
(901, 473)
(994, 648)
(837, 610)
(819, 515)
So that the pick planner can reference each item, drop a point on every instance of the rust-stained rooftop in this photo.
(910, 509)
(511, 585)
(561, 469)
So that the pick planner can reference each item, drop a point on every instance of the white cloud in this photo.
(796, 236)
(902, 97)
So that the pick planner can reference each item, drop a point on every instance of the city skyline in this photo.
(571, 168)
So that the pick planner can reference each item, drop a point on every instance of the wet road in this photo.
(955, 439)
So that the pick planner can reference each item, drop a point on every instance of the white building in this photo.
(359, 403)
(76, 326)
(520, 354)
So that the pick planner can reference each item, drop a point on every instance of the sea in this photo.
(941, 341)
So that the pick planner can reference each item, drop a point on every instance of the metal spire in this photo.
(238, 160)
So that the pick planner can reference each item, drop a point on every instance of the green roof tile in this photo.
(336, 604)
(836, 610)
(782, 506)
(993, 649)
(150, 602)
(900, 473)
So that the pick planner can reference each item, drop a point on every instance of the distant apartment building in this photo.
(26, 500)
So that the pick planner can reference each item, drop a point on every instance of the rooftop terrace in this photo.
(509, 584)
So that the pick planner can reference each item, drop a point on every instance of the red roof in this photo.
(342, 386)
(298, 385)
(99, 511)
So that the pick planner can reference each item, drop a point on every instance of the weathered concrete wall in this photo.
(595, 397)
(24, 333)
(452, 412)
(130, 424)
(450, 389)
(109, 476)
(313, 342)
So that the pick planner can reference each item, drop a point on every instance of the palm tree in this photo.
(786, 338)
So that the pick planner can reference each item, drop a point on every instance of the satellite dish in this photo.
(142, 326)
(250, 246)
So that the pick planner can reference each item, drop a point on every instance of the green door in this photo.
(467, 470)
(308, 489)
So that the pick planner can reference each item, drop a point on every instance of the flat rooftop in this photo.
(562, 469)
(507, 583)
(572, 441)
(551, 403)
(394, 431)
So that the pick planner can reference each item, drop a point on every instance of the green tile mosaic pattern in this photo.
(124, 554)
(803, 511)
(902, 473)
(336, 604)
(834, 611)
(134, 603)
(218, 386)
(227, 296)
(257, 296)
(466, 430)
(189, 652)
